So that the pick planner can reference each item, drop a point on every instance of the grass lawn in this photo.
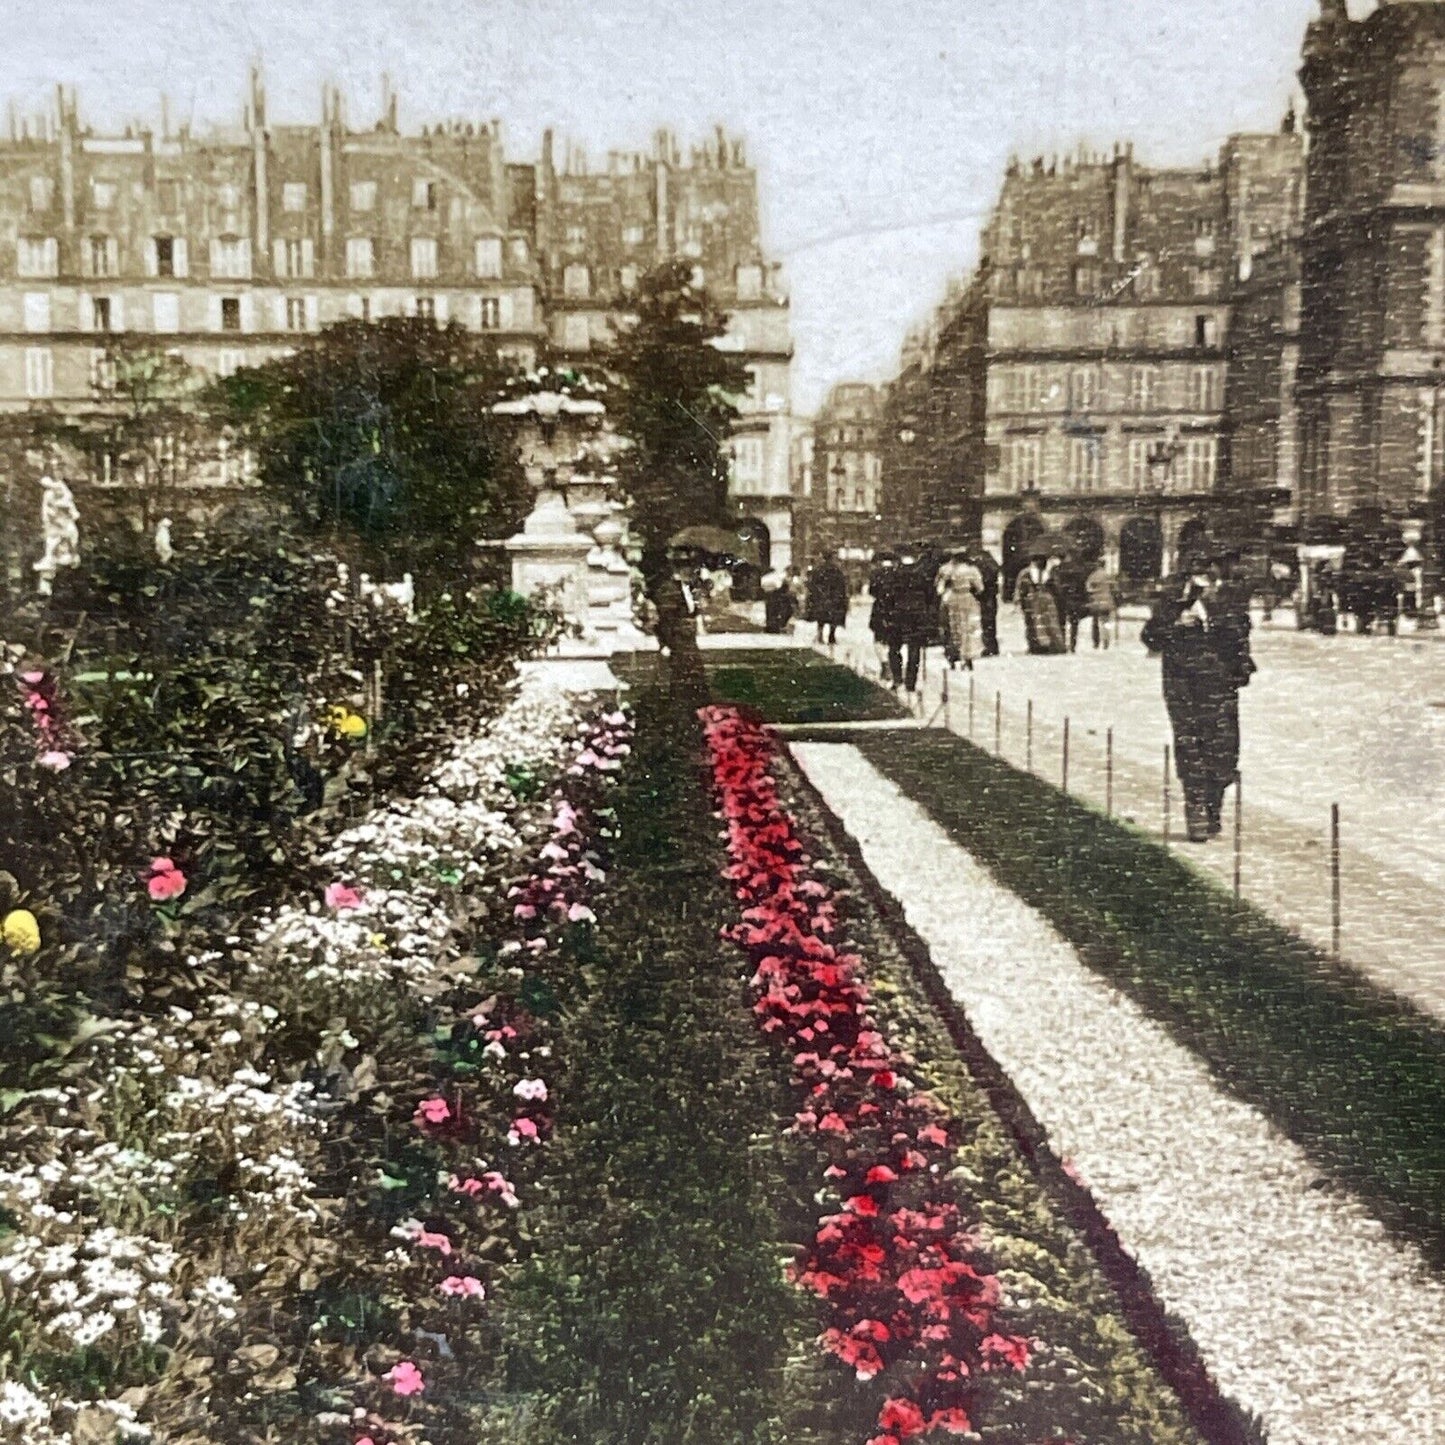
(1357, 1078)
(798, 686)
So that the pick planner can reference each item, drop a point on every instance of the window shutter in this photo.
(248, 312)
(178, 256)
(117, 313)
(153, 266)
(442, 309)
(278, 257)
(353, 307)
(313, 311)
(112, 256)
(308, 257)
(505, 311)
(214, 306)
(87, 258)
(410, 305)
(85, 311)
(278, 311)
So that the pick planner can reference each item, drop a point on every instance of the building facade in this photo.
(1372, 336)
(230, 247)
(847, 473)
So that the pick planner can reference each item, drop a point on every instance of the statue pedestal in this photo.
(549, 554)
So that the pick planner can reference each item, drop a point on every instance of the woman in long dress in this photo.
(1038, 598)
(960, 588)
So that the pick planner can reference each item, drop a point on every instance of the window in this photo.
(295, 313)
(426, 308)
(169, 197)
(490, 313)
(37, 311)
(748, 460)
(1023, 389)
(166, 311)
(42, 193)
(360, 257)
(228, 197)
(1084, 455)
(1086, 280)
(363, 195)
(1204, 281)
(1205, 332)
(294, 258)
(359, 308)
(488, 257)
(102, 371)
(1143, 387)
(633, 235)
(231, 257)
(1083, 389)
(230, 362)
(576, 333)
(423, 258)
(424, 195)
(576, 282)
(1199, 464)
(1140, 477)
(102, 195)
(576, 235)
(293, 196)
(750, 283)
(39, 372)
(1146, 282)
(521, 251)
(1204, 389)
(165, 256)
(1022, 457)
(100, 313)
(230, 313)
(103, 255)
(1030, 283)
(627, 279)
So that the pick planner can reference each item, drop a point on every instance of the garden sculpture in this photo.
(60, 527)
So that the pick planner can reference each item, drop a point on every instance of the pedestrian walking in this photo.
(1101, 600)
(881, 615)
(779, 601)
(1071, 578)
(1200, 629)
(1038, 599)
(991, 573)
(914, 612)
(827, 600)
(960, 592)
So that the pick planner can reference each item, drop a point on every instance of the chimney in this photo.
(67, 157)
(330, 114)
(260, 177)
(496, 156)
(1123, 185)
(661, 197)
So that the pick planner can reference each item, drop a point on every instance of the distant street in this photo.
(1358, 721)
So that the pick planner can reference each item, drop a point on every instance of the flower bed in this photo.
(184, 1204)
(949, 1286)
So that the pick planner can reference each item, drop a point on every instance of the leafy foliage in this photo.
(382, 432)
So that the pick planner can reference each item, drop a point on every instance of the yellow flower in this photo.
(378, 940)
(352, 726)
(338, 715)
(21, 932)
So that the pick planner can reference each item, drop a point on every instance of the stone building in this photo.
(229, 247)
(599, 229)
(1372, 336)
(846, 507)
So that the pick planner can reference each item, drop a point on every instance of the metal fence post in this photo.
(1029, 738)
(1335, 880)
(1238, 835)
(1066, 755)
(998, 724)
(1166, 795)
(1109, 774)
(971, 691)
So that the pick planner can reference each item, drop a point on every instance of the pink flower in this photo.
(339, 896)
(33, 678)
(521, 1129)
(503, 1187)
(463, 1286)
(533, 1089)
(470, 1187)
(580, 913)
(166, 881)
(431, 1239)
(432, 1111)
(54, 761)
(405, 1379)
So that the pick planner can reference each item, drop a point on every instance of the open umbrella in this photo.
(716, 542)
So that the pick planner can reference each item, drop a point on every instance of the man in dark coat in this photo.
(1071, 580)
(913, 612)
(982, 558)
(827, 601)
(1200, 627)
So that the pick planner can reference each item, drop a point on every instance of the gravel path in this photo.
(1307, 1313)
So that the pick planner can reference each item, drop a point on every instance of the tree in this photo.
(382, 432)
(676, 407)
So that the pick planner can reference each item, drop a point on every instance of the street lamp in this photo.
(1427, 621)
(1160, 457)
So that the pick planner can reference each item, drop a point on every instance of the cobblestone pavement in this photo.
(1358, 721)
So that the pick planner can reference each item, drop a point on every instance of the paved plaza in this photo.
(1357, 721)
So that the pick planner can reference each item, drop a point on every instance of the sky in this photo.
(880, 128)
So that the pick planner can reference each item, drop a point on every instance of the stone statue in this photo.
(60, 527)
(165, 550)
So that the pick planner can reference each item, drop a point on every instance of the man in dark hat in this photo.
(914, 614)
(1200, 628)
